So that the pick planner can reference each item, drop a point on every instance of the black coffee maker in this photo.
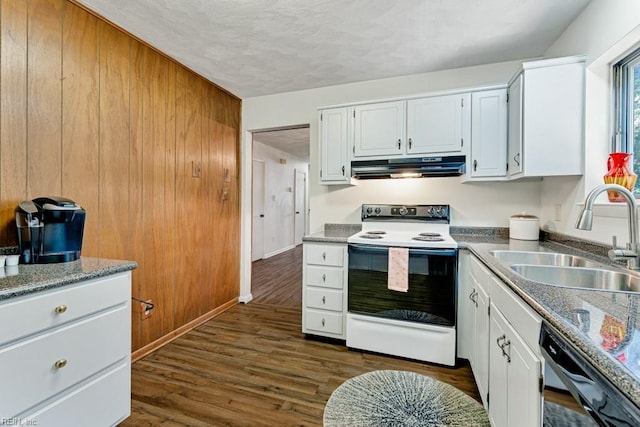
(50, 230)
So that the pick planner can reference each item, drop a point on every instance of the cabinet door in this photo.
(379, 129)
(482, 344)
(514, 384)
(334, 145)
(466, 308)
(435, 124)
(515, 127)
(489, 133)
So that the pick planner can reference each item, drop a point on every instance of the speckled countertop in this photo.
(25, 279)
(618, 359)
(616, 356)
(334, 233)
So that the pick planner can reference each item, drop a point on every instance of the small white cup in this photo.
(12, 270)
(12, 260)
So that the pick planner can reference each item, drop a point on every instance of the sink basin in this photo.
(572, 277)
(543, 258)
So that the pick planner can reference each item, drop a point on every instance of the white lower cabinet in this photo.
(502, 348)
(324, 294)
(70, 349)
(479, 353)
(514, 381)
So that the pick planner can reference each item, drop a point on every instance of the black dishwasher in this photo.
(592, 393)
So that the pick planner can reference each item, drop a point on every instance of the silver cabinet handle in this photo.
(324, 255)
(324, 277)
(399, 144)
(60, 309)
(342, 170)
(410, 143)
(474, 297)
(324, 300)
(505, 344)
(322, 322)
(60, 363)
(516, 159)
(475, 165)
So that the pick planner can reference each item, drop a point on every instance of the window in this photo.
(626, 74)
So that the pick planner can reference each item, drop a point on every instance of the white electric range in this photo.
(402, 283)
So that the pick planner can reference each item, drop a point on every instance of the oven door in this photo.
(431, 296)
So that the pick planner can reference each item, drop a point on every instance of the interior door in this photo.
(257, 229)
(299, 205)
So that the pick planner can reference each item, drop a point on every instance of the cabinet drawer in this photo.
(327, 277)
(324, 255)
(31, 314)
(102, 401)
(517, 312)
(28, 368)
(324, 322)
(325, 299)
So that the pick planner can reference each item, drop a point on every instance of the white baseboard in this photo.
(245, 298)
(279, 251)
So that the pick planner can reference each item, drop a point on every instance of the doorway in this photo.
(300, 205)
(257, 203)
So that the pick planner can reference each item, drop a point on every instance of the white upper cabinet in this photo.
(488, 134)
(335, 167)
(379, 130)
(430, 125)
(436, 124)
(546, 118)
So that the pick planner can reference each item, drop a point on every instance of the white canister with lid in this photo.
(524, 227)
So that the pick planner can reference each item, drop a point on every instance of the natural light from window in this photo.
(627, 93)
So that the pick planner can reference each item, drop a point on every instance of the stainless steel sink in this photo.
(543, 258)
(573, 277)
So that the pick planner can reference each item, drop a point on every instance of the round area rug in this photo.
(400, 398)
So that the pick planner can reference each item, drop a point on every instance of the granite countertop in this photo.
(616, 356)
(25, 279)
(334, 233)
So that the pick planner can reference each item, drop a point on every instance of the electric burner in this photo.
(430, 234)
(423, 238)
(370, 236)
(376, 232)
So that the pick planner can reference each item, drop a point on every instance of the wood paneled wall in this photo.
(90, 113)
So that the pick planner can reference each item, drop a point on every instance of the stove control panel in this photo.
(427, 213)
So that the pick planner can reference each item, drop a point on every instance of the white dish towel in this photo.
(398, 272)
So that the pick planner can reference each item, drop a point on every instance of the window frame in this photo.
(622, 139)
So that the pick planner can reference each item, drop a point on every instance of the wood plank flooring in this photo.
(252, 366)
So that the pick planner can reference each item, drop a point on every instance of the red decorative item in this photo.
(619, 172)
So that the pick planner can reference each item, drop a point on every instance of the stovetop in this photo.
(412, 226)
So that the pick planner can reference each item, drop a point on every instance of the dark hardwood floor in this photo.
(252, 366)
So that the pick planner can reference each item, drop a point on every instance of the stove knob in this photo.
(369, 210)
(403, 210)
(378, 210)
(431, 211)
(442, 212)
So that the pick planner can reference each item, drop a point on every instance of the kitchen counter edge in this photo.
(33, 278)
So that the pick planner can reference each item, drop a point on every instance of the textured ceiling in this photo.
(293, 141)
(258, 47)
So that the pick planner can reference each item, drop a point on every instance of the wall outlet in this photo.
(145, 309)
(558, 212)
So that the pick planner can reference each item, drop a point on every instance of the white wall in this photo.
(279, 197)
(604, 31)
(485, 204)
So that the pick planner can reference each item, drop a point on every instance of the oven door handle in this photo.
(412, 251)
